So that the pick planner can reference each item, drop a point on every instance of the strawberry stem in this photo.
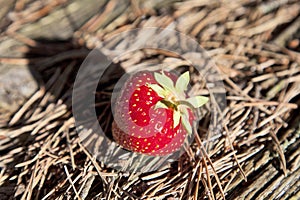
(185, 103)
(169, 104)
(193, 102)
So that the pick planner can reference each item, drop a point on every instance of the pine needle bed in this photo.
(257, 156)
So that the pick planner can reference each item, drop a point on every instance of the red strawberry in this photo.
(153, 116)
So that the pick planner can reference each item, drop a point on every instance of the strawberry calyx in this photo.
(175, 97)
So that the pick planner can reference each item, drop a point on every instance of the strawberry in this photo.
(152, 115)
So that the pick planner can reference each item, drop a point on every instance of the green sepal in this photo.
(184, 111)
(185, 119)
(164, 81)
(186, 124)
(197, 101)
(159, 90)
(176, 118)
(182, 82)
